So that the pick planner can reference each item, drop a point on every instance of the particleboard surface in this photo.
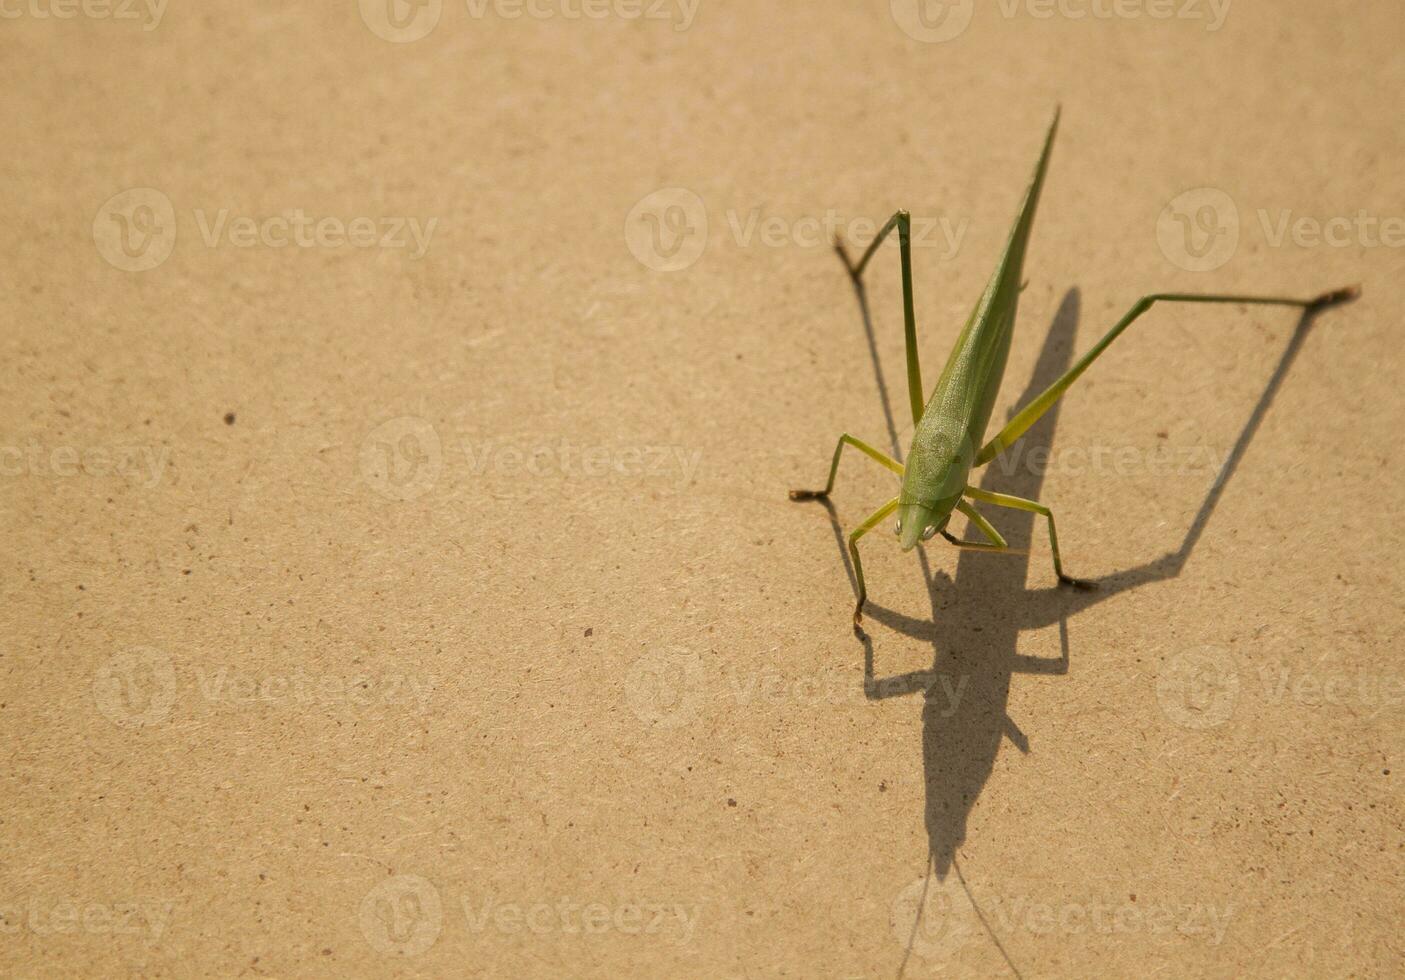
(395, 439)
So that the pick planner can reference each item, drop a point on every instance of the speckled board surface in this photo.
(397, 408)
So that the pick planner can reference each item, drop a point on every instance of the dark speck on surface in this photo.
(228, 418)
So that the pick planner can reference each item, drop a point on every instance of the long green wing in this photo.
(965, 393)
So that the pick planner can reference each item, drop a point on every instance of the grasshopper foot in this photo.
(858, 619)
(809, 494)
(1082, 584)
(1334, 297)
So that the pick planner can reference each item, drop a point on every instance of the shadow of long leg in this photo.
(1038, 614)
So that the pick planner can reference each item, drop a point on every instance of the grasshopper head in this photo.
(919, 520)
(933, 482)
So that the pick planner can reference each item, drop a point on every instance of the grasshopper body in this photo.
(951, 424)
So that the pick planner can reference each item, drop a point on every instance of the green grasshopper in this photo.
(953, 422)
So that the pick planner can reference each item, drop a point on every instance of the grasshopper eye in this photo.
(928, 532)
(898, 527)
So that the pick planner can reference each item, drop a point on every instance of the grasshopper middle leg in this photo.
(1033, 506)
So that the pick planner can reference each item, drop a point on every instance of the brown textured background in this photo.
(343, 687)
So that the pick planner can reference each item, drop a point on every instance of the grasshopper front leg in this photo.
(873, 521)
(994, 542)
(861, 446)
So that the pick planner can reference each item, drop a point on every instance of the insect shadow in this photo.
(975, 654)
